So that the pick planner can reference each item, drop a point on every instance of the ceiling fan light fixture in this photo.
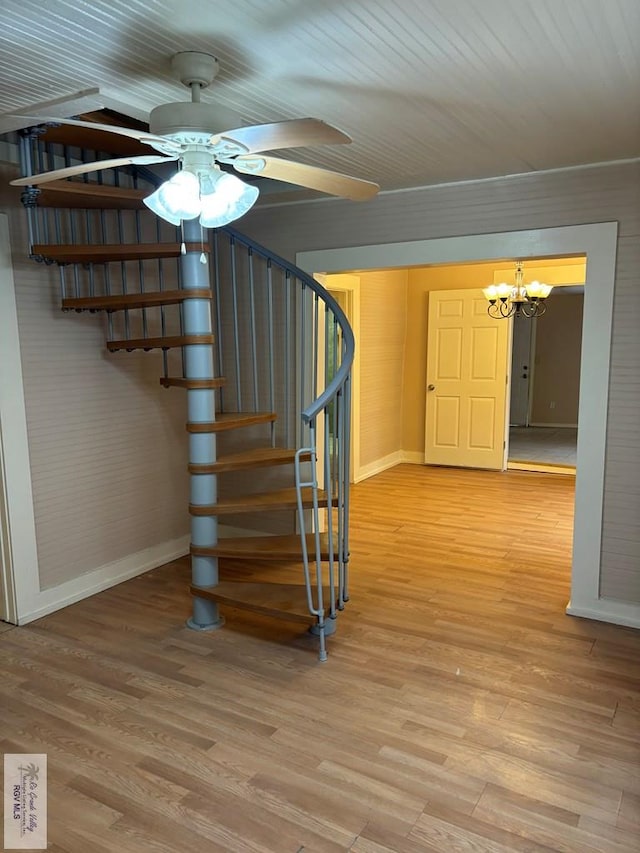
(216, 196)
(224, 198)
(176, 199)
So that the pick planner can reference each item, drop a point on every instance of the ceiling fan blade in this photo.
(84, 168)
(312, 177)
(140, 135)
(294, 133)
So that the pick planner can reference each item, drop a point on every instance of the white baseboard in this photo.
(379, 465)
(389, 461)
(49, 600)
(607, 610)
(413, 457)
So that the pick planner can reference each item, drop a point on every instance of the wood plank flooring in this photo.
(460, 710)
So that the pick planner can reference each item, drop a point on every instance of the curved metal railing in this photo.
(311, 364)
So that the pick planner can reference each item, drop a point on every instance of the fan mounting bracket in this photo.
(193, 67)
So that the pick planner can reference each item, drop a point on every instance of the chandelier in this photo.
(519, 299)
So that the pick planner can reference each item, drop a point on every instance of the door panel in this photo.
(484, 349)
(447, 421)
(482, 419)
(466, 382)
(451, 308)
(449, 364)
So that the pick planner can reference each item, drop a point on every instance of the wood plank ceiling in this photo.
(430, 90)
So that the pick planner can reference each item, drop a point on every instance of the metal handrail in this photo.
(332, 405)
(316, 406)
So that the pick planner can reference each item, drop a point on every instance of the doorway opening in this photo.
(386, 441)
(545, 375)
(345, 289)
(598, 243)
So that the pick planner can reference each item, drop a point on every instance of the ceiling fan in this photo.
(184, 132)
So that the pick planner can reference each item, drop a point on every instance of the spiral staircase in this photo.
(263, 353)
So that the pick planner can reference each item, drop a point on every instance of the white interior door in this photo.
(521, 367)
(466, 382)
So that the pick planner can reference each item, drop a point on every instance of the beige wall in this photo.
(107, 444)
(556, 379)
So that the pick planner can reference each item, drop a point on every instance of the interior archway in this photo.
(598, 243)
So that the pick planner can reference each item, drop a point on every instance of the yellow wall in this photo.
(550, 273)
(383, 317)
(393, 342)
(380, 349)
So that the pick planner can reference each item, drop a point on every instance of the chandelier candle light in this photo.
(527, 300)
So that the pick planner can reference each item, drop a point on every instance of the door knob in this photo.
(431, 387)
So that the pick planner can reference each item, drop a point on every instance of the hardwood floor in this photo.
(460, 710)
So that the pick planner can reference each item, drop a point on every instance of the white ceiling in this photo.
(430, 90)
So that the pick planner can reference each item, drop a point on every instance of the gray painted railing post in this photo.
(198, 364)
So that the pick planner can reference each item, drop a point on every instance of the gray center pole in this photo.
(201, 407)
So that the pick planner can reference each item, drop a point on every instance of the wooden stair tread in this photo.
(181, 382)
(85, 254)
(283, 600)
(78, 194)
(260, 457)
(232, 420)
(97, 140)
(121, 301)
(159, 343)
(287, 548)
(276, 499)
